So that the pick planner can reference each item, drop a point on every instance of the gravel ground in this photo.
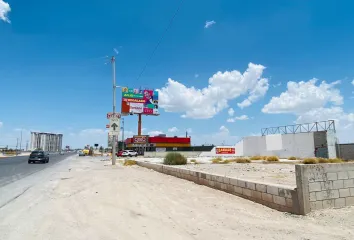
(269, 173)
(86, 198)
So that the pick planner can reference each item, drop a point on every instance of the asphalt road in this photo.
(15, 168)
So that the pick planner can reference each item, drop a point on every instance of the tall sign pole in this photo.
(123, 142)
(113, 61)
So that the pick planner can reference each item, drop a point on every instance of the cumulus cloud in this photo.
(222, 136)
(155, 133)
(207, 102)
(311, 102)
(231, 112)
(256, 93)
(277, 85)
(4, 10)
(208, 24)
(173, 129)
(304, 96)
(240, 118)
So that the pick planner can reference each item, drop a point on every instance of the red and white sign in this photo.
(111, 115)
(225, 150)
(136, 107)
(140, 139)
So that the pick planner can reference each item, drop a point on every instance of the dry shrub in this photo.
(226, 161)
(194, 161)
(335, 160)
(174, 159)
(216, 160)
(292, 158)
(323, 160)
(272, 159)
(310, 161)
(242, 160)
(129, 162)
(264, 157)
(256, 158)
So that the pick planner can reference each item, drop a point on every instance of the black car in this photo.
(38, 156)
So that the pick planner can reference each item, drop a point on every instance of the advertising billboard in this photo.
(140, 101)
(225, 150)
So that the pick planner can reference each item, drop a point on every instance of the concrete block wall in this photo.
(322, 186)
(346, 151)
(274, 196)
(163, 154)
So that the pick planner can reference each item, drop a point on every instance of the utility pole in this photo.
(16, 146)
(123, 134)
(27, 146)
(113, 61)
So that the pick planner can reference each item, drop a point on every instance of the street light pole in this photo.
(113, 61)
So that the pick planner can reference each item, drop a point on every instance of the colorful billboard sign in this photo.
(225, 150)
(143, 139)
(140, 101)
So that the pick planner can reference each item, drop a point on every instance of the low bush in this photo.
(242, 160)
(310, 161)
(292, 158)
(272, 159)
(174, 159)
(193, 161)
(216, 160)
(129, 163)
(257, 158)
(335, 160)
(226, 161)
(323, 160)
(264, 157)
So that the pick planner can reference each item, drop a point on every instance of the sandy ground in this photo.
(269, 173)
(85, 198)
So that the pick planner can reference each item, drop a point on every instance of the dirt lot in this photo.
(85, 198)
(270, 173)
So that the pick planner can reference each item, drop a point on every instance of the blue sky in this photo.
(54, 78)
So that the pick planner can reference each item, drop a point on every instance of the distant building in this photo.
(50, 142)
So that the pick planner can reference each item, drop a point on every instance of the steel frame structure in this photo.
(300, 128)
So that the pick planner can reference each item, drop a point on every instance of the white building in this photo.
(50, 142)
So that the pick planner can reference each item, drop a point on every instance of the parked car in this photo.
(119, 153)
(129, 153)
(81, 153)
(38, 156)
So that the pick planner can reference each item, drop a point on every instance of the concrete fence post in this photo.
(303, 194)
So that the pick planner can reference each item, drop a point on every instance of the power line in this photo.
(160, 40)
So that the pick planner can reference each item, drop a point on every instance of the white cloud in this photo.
(196, 75)
(353, 82)
(207, 102)
(256, 93)
(277, 85)
(208, 24)
(189, 130)
(173, 129)
(313, 103)
(224, 129)
(4, 10)
(240, 118)
(1, 124)
(223, 136)
(116, 51)
(304, 96)
(231, 112)
(155, 133)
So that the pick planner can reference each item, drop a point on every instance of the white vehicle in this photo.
(129, 153)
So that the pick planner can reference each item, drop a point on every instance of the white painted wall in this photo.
(285, 145)
(331, 143)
